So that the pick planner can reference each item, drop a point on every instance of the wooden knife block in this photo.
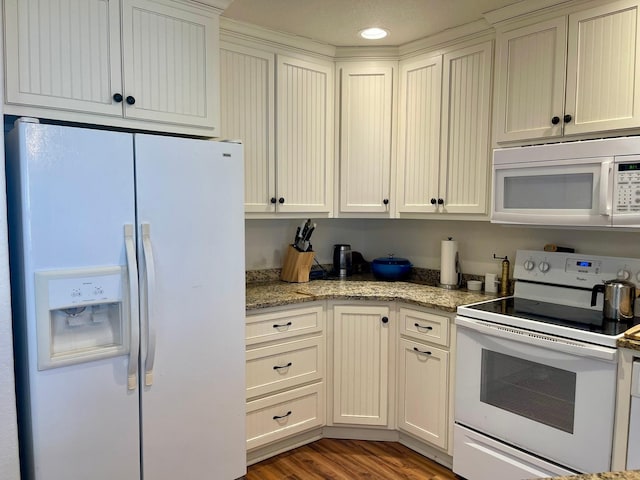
(297, 266)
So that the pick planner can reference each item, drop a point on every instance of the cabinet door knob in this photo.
(281, 200)
(117, 97)
(385, 201)
(440, 201)
(433, 201)
(273, 200)
(131, 100)
(555, 120)
(385, 319)
(567, 118)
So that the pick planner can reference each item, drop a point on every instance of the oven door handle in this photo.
(542, 340)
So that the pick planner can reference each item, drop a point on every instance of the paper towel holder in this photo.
(458, 284)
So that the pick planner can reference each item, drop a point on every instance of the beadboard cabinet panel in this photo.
(360, 365)
(419, 138)
(304, 136)
(170, 62)
(247, 114)
(424, 393)
(65, 54)
(574, 75)
(365, 138)
(532, 83)
(465, 136)
(603, 82)
(141, 64)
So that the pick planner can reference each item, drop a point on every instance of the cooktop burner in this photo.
(556, 314)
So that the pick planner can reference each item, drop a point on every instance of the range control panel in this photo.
(573, 269)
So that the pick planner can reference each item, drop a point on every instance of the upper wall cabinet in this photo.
(288, 161)
(443, 139)
(247, 113)
(366, 93)
(304, 136)
(597, 49)
(148, 64)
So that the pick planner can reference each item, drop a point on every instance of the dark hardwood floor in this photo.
(330, 459)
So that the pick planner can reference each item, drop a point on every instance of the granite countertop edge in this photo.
(262, 295)
(277, 293)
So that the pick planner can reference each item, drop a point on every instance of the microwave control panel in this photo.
(627, 188)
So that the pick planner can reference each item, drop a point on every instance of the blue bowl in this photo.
(391, 268)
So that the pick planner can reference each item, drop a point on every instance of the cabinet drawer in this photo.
(283, 366)
(282, 324)
(278, 416)
(425, 326)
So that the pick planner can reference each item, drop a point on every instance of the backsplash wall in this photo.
(419, 241)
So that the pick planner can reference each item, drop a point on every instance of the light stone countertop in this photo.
(273, 294)
(627, 475)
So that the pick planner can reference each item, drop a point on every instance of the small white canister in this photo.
(491, 282)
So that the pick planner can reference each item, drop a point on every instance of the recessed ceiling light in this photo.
(373, 33)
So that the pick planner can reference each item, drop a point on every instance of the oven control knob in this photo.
(623, 274)
(544, 267)
(528, 265)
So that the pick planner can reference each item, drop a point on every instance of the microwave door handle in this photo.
(605, 200)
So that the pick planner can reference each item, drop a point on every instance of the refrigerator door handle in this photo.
(134, 341)
(150, 272)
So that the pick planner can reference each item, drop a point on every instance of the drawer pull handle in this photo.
(280, 417)
(422, 327)
(286, 325)
(415, 349)
(278, 367)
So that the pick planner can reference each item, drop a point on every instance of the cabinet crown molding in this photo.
(233, 29)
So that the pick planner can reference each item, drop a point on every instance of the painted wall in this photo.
(419, 241)
(9, 466)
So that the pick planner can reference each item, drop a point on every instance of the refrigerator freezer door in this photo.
(70, 192)
(190, 200)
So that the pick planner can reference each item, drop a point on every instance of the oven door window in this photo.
(532, 390)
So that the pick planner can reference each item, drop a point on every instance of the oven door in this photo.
(554, 192)
(551, 397)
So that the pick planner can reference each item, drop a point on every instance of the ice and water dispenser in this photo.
(81, 314)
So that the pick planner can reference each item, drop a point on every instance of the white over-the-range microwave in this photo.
(591, 183)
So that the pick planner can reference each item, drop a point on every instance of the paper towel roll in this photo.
(448, 257)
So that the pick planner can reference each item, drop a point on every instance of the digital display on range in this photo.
(581, 263)
(628, 167)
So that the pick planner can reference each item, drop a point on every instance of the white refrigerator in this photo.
(128, 286)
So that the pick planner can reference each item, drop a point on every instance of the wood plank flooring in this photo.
(331, 459)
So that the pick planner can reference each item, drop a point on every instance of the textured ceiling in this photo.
(337, 22)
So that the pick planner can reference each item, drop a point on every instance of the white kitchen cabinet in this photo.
(419, 134)
(597, 49)
(304, 136)
(423, 376)
(149, 64)
(361, 344)
(366, 101)
(288, 143)
(443, 140)
(285, 370)
(247, 113)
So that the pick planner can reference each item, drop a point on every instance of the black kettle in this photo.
(619, 297)
(342, 262)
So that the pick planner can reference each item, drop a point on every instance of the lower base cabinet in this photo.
(285, 365)
(360, 346)
(390, 371)
(422, 391)
(278, 416)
